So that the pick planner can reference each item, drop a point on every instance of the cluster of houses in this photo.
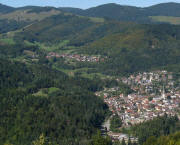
(77, 57)
(121, 136)
(150, 82)
(135, 108)
(155, 94)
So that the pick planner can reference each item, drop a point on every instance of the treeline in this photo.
(69, 115)
(157, 127)
(16, 50)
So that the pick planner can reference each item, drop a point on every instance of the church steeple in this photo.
(163, 95)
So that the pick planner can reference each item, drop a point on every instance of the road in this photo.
(106, 124)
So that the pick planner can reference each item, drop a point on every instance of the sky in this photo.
(84, 4)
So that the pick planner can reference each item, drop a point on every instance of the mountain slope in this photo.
(56, 28)
(139, 49)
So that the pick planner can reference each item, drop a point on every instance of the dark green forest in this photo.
(68, 115)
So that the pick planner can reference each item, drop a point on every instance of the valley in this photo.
(108, 75)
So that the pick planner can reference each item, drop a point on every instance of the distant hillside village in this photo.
(155, 94)
(77, 57)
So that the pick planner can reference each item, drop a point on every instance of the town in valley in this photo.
(153, 94)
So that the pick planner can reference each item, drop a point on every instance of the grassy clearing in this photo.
(45, 92)
(94, 19)
(7, 41)
(92, 75)
(166, 19)
(27, 43)
(83, 73)
(53, 90)
(97, 20)
(40, 93)
(19, 58)
(58, 47)
(66, 71)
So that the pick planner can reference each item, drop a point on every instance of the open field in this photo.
(168, 19)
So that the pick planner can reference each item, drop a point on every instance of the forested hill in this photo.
(164, 140)
(141, 48)
(129, 47)
(164, 9)
(37, 100)
(129, 13)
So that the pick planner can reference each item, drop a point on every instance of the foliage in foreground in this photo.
(157, 127)
(173, 139)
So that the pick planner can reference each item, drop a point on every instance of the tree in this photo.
(99, 140)
(150, 98)
(123, 142)
(116, 122)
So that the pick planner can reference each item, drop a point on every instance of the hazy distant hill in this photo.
(72, 10)
(129, 13)
(5, 9)
(164, 9)
(113, 11)
(109, 11)
(12, 19)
